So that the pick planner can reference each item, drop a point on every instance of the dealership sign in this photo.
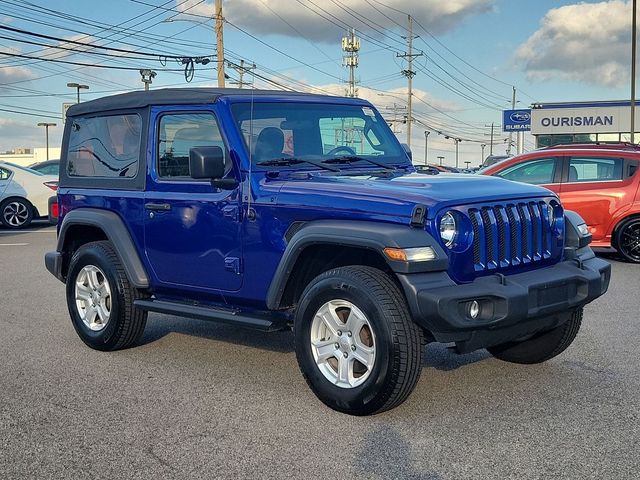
(516, 120)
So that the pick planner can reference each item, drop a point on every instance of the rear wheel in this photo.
(100, 299)
(16, 213)
(627, 240)
(356, 344)
(541, 347)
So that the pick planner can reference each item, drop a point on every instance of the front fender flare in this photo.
(364, 234)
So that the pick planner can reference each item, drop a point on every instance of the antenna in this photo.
(250, 214)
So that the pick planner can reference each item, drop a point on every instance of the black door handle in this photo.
(158, 206)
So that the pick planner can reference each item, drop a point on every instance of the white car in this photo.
(24, 195)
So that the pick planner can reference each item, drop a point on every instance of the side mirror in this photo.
(209, 163)
(206, 162)
(407, 150)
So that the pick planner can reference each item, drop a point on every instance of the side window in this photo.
(4, 174)
(595, 169)
(106, 146)
(178, 133)
(537, 172)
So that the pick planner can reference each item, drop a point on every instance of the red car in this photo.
(599, 181)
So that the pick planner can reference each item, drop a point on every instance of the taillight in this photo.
(52, 185)
(55, 210)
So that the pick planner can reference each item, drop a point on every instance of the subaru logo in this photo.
(520, 117)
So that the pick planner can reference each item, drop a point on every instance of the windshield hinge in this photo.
(418, 215)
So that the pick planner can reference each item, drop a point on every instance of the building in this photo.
(27, 156)
(583, 122)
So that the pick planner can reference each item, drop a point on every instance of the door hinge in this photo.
(233, 264)
(417, 216)
(232, 212)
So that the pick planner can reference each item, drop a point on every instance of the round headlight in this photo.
(448, 229)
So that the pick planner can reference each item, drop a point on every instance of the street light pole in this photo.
(46, 128)
(457, 140)
(78, 87)
(440, 159)
(426, 145)
(482, 157)
(633, 71)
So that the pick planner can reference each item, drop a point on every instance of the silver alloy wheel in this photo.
(15, 213)
(343, 343)
(93, 297)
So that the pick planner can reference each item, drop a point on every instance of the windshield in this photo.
(319, 131)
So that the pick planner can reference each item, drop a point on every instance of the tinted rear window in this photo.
(106, 146)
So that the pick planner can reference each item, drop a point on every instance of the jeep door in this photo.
(192, 229)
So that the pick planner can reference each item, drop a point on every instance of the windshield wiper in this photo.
(355, 158)
(284, 162)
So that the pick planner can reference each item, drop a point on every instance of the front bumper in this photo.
(511, 307)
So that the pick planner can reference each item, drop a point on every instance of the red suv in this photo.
(599, 181)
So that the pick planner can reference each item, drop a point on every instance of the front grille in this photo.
(510, 234)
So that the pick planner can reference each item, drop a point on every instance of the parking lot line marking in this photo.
(17, 232)
(13, 244)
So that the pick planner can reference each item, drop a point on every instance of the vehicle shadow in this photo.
(159, 326)
(438, 356)
(36, 225)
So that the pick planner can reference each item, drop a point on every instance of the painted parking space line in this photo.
(19, 232)
(13, 244)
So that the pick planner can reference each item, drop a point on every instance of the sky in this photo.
(471, 55)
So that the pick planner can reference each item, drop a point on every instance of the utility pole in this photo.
(482, 145)
(46, 128)
(491, 142)
(513, 107)
(409, 73)
(241, 69)
(633, 70)
(219, 43)
(426, 145)
(147, 77)
(351, 46)
(440, 159)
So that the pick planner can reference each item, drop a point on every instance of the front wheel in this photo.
(542, 346)
(356, 344)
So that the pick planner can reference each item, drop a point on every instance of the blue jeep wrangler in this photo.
(279, 210)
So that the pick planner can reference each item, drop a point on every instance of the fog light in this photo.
(474, 309)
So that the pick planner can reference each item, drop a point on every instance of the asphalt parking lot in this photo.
(201, 400)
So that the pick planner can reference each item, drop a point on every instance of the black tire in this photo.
(126, 323)
(16, 213)
(541, 347)
(398, 340)
(627, 239)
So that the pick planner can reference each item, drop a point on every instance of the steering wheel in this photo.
(341, 148)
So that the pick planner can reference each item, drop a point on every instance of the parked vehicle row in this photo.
(600, 182)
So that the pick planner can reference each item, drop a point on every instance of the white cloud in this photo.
(14, 74)
(438, 16)
(584, 42)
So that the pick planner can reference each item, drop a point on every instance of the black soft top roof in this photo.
(169, 96)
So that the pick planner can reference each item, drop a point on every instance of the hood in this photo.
(397, 195)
